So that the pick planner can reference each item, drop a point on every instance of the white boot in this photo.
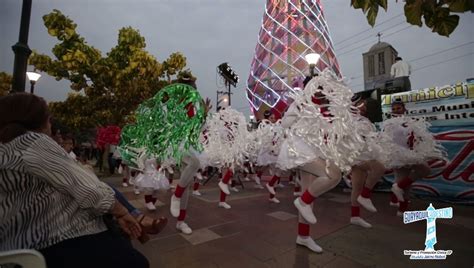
(366, 203)
(297, 193)
(274, 200)
(361, 222)
(398, 192)
(197, 193)
(224, 187)
(234, 189)
(309, 243)
(150, 206)
(270, 189)
(224, 205)
(199, 176)
(305, 210)
(257, 180)
(124, 184)
(174, 206)
(394, 204)
(183, 227)
(136, 191)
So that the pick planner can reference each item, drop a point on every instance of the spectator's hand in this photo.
(130, 226)
(208, 105)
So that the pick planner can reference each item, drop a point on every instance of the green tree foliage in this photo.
(437, 14)
(106, 89)
(5, 83)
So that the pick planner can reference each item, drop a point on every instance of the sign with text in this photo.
(442, 106)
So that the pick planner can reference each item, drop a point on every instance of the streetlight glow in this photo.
(32, 76)
(312, 58)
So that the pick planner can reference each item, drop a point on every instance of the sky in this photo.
(210, 32)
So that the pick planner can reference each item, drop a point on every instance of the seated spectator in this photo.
(49, 203)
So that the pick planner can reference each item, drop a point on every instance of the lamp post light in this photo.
(21, 49)
(33, 77)
(312, 59)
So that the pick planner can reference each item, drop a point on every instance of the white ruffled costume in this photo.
(375, 144)
(269, 139)
(311, 133)
(400, 130)
(224, 139)
(151, 178)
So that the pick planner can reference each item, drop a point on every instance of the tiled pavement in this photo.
(256, 233)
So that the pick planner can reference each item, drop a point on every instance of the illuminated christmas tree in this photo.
(290, 30)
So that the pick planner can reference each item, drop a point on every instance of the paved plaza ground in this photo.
(257, 233)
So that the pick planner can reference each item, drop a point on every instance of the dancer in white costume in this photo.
(413, 146)
(368, 168)
(320, 142)
(268, 153)
(225, 147)
(150, 181)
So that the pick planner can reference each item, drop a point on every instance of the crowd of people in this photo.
(52, 201)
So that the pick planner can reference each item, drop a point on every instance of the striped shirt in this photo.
(45, 197)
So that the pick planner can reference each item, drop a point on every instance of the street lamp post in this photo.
(312, 59)
(21, 49)
(33, 77)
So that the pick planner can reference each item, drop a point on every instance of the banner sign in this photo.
(441, 106)
(450, 110)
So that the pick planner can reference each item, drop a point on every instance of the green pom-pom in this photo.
(163, 127)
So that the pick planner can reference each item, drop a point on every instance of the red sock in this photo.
(196, 186)
(153, 200)
(307, 197)
(232, 183)
(179, 191)
(148, 198)
(290, 178)
(227, 177)
(182, 215)
(223, 196)
(355, 211)
(124, 180)
(303, 229)
(297, 189)
(393, 198)
(405, 183)
(279, 180)
(272, 196)
(170, 181)
(259, 174)
(366, 192)
(274, 179)
(403, 206)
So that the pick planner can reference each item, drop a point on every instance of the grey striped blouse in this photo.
(45, 197)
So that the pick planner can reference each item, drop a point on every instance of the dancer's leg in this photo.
(186, 178)
(303, 238)
(358, 177)
(328, 178)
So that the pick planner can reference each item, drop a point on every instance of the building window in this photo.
(371, 66)
(381, 63)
